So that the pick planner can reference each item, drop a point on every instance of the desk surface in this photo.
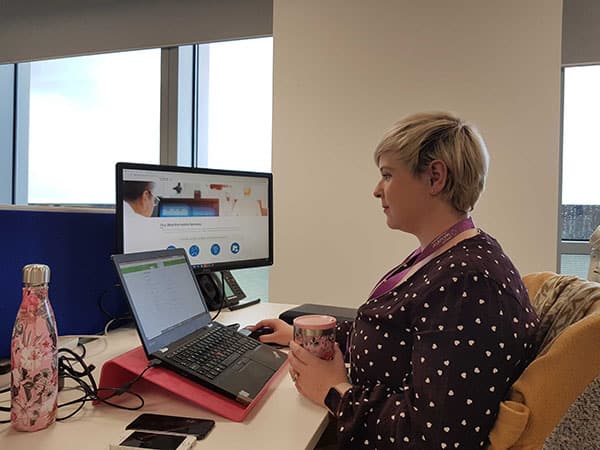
(281, 419)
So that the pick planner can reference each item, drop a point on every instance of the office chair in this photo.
(568, 364)
(594, 270)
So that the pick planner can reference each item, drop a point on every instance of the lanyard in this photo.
(390, 280)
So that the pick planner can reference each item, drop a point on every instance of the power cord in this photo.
(72, 366)
(112, 319)
(222, 302)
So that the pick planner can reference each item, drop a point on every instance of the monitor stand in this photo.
(240, 305)
(233, 293)
(222, 291)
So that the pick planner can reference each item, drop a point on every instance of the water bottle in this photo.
(33, 355)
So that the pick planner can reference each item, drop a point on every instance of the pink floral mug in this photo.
(316, 333)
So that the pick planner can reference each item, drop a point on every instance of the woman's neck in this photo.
(436, 226)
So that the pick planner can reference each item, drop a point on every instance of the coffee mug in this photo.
(316, 333)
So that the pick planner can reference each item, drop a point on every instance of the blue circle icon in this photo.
(194, 250)
(171, 247)
(215, 249)
(235, 248)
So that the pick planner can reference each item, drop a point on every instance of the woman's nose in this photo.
(377, 191)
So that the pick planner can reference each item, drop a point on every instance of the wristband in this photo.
(334, 396)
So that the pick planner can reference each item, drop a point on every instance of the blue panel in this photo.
(205, 211)
(77, 247)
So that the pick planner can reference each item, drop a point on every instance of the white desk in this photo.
(281, 419)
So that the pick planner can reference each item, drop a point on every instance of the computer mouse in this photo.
(260, 332)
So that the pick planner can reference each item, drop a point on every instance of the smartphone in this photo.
(154, 441)
(172, 424)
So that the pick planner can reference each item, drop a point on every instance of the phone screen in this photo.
(172, 424)
(152, 440)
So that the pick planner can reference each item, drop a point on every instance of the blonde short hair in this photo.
(418, 139)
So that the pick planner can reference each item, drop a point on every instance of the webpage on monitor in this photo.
(215, 218)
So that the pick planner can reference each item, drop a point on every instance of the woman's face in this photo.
(404, 196)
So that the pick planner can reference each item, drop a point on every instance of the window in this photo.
(234, 118)
(85, 114)
(76, 117)
(235, 96)
(580, 204)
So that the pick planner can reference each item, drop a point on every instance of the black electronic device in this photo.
(256, 334)
(222, 219)
(342, 314)
(220, 291)
(173, 424)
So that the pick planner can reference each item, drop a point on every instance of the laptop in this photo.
(175, 327)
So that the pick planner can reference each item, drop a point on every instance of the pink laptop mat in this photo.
(124, 368)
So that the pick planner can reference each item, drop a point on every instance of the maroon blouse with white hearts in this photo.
(431, 360)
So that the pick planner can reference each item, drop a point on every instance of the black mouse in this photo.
(259, 332)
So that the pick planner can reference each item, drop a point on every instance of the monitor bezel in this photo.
(198, 268)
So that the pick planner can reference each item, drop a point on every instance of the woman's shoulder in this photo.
(479, 257)
(480, 253)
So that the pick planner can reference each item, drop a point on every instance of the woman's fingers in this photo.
(260, 324)
(295, 363)
(301, 354)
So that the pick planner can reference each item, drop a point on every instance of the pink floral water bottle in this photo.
(33, 355)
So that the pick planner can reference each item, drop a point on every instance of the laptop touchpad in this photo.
(269, 356)
(245, 375)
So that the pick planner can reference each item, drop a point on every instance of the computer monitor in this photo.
(222, 218)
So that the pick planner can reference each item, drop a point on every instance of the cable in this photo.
(222, 302)
(72, 366)
(101, 303)
(92, 391)
(112, 318)
(86, 338)
(108, 324)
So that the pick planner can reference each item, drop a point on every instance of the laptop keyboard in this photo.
(213, 352)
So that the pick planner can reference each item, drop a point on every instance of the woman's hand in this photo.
(282, 333)
(315, 376)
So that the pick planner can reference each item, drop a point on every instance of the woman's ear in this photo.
(437, 171)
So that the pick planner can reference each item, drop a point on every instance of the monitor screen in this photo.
(221, 218)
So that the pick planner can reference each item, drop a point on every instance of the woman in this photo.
(443, 335)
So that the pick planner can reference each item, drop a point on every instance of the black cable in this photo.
(92, 391)
(222, 302)
(101, 301)
(83, 348)
(89, 388)
(112, 319)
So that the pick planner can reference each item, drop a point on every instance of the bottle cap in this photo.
(36, 274)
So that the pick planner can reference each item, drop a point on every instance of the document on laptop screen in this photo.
(163, 293)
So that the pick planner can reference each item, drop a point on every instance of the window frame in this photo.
(14, 125)
(566, 246)
(7, 113)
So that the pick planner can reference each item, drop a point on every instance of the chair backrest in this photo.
(542, 395)
(594, 270)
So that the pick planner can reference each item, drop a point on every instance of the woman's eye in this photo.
(386, 176)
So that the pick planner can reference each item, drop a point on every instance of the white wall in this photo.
(345, 70)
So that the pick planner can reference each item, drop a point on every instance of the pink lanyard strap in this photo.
(391, 279)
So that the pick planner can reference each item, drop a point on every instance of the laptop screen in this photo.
(164, 296)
